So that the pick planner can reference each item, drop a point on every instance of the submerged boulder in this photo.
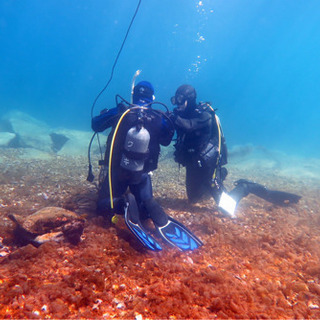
(20, 130)
(30, 132)
(72, 142)
(6, 138)
(48, 224)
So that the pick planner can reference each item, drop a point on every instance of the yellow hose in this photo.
(219, 146)
(111, 151)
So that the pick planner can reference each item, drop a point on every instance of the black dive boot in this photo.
(273, 196)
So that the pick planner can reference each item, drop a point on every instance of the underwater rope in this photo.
(90, 176)
(116, 59)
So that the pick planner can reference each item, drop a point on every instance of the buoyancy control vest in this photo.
(206, 142)
(217, 137)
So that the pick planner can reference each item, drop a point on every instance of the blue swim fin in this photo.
(179, 236)
(142, 235)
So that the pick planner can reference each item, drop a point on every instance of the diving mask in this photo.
(178, 99)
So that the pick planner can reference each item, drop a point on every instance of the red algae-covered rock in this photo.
(315, 288)
(26, 253)
(214, 276)
(301, 310)
(216, 305)
(48, 224)
(47, 219)
(313, 270)
(298, 286)
(59, 308)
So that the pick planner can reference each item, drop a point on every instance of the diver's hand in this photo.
(173, 116)
(104, 111)
(175, 111)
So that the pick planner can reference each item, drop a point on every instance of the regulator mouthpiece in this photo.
(136, 74)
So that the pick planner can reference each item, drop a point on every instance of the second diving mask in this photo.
(178, 99)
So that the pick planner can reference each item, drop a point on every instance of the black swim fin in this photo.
(179, 236)
(273, 196)
(134, 225)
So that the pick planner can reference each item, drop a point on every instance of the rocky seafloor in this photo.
(263, 264)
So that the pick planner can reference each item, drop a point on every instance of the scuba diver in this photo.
(201, 148)
(133, 148)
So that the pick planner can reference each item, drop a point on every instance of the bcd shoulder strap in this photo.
(206, 106)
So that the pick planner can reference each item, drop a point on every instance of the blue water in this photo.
(257, 61)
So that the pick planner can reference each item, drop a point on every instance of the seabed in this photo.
(263, 264)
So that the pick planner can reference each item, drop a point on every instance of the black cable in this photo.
(116, 60)
(90, 174)
(101, 155)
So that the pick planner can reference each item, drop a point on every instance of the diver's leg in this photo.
(132, 220)
(273, 196)
(227, 201)
(197, 181)
(240, 191)
(143, 190)
(133, 210)
(149, 208)
(221, 173)
(119, 187)
(155, 212)
(171, 230)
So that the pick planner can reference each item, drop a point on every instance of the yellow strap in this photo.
(219, 146)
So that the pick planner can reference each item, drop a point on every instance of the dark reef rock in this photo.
(48, 224)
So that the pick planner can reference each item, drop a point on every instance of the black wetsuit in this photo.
(197, 148)
(139, 183)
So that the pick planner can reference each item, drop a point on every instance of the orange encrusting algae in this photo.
(264, 264)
